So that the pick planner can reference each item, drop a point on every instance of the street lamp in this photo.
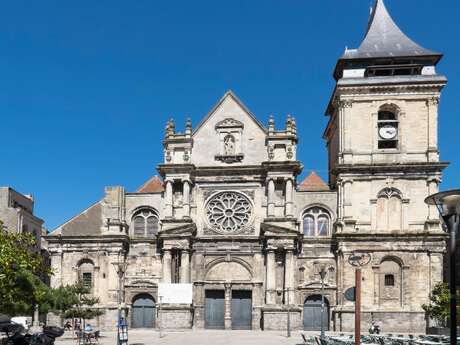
(120, 268)
(448, 205)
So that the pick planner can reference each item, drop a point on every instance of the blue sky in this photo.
(86, 87)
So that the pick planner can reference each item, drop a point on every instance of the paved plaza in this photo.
(200, 337)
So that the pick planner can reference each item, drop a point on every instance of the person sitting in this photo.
(88, 328)
(68, 325)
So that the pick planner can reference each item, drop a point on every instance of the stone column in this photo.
(228, 306)
(185, 266)
(270, 282)
(271, 198)
(289, 205)
(289, 276)
(167, 266)
(186, 199)
(169, 199)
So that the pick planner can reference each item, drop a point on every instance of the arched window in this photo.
(316, 222)
(145, 223)
(390, 282)
(388, 127)
(85, 273)
(389, 210)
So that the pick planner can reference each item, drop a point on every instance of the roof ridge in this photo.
(153, 185)
(313, 183)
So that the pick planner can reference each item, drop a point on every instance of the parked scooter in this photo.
(16, 334)
(375, 328)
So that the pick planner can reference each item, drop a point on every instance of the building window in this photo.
(389, 280)
(87, 279)
(316, 222)
(145, 223)
(387, 128)
(391, 287)
(85, 273)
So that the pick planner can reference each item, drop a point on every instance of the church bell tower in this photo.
(382, 139)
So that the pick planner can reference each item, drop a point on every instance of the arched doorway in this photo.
(143, 311)
(312, 313)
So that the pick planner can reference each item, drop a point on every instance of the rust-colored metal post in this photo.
(358, 306)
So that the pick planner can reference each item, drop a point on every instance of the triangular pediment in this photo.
(229, 135)
(229, 98)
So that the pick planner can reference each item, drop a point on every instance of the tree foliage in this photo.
(74, 301)
(438, 308)
(21, 288)
(20, 268)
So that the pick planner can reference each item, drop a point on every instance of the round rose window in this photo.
(228, 211)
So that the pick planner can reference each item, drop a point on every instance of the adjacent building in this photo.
(229, 216)
(17, 213)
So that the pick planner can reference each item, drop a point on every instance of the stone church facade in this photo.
(229, 217)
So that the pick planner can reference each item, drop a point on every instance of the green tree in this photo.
(20, 268)
(74, 301)
(438, 308)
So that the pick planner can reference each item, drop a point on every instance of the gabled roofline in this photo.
(227, 94)
(68, 221)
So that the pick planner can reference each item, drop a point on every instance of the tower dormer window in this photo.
(387, 128)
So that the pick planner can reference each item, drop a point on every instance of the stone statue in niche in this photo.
(229, 145)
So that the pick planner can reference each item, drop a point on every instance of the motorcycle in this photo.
(16, 335)
(375, 328)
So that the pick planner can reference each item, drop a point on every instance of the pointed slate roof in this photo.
(153, 185)
(313, 183)
(385, 39)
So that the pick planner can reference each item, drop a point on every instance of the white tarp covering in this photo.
(175, 293)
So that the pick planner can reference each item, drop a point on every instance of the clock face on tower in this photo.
(388, 132)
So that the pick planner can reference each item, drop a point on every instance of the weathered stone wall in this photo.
(276, 320)
(175, 318)
(390, 322)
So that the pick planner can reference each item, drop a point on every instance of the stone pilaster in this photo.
(168, 199)
(289, 276)
(271, 277)
(228, 306)
(289, 205)
(185, 266)
(271, 198)
(167, 266)
(186, 199)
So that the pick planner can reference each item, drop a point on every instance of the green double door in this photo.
(241, 309)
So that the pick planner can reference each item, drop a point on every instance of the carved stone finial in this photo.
(289, 124)
(169, 128)
(294, 125)
(188, 126)
(271, 123)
